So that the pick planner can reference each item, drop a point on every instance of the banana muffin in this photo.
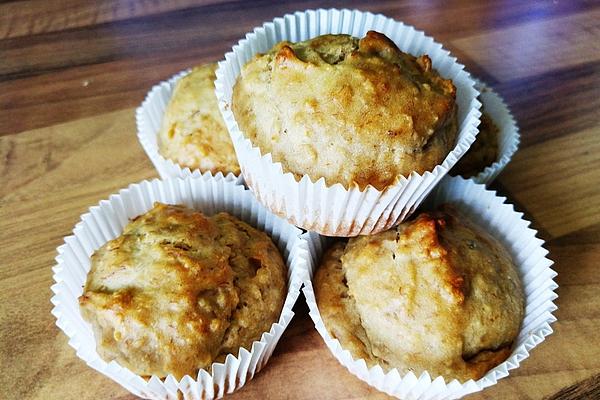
(193, 133)
(179, 290)
(482, 153)
(434, 294)
(353, 111)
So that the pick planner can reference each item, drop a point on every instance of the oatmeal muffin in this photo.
(354, 112)
(434, 294)
(193, 133)
(179, 290)
(482, 153)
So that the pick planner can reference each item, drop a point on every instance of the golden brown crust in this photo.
(179, 290)
(193, 133)
(482, 153)
(355, 112)
(334, 302)
(436, 293)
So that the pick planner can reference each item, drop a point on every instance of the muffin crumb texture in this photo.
(193, 133)
(179, 290)
(354, 112)
(483, 152)
(434, 294)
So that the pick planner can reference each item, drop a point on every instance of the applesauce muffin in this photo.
(434, 294)
(193, 133)
(483, 152)
(352, 111)
(178, 291)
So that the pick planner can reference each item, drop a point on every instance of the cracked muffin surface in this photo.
(179, 290)
(193, 133)
(434, 294)
(353, 111)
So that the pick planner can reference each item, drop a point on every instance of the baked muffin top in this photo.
(355, 112)
(193, 133)
(436, 293)
(179, 290)
(483, 152)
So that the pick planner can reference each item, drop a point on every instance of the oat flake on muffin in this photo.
(434, 294)
(193, 133)
(352, 111)
(178, 291)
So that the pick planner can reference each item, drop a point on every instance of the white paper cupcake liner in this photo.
(491, 212)
(508, 135)
(148, 118)
(106, 221)
(335, 210)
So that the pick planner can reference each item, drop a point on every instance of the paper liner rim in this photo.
(453, 388)
(491, 172)
(259, 347)
(149, 139)
(235, 131)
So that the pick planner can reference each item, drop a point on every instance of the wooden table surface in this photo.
(72, 73)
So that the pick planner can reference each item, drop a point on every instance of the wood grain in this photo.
(75, 77)
(72, 73)
(553, 43)
(566, 200)
(556, 103)
(31, 17)
(587, 389)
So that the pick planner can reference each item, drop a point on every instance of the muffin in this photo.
(434, 294)
(482, 153)
(193, 133)
(178, 291)
(354, 112)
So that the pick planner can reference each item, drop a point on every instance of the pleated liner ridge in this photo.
(500, 219)
(335, 210)
(148, 118)
(106, 221)
(509, 137)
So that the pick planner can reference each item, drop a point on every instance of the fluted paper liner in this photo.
(107, 220)
(491, 212)
(335, 210)
(148, 118)
(508, 132)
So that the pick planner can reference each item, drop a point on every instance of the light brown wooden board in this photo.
(71, 72)
(67, 168)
